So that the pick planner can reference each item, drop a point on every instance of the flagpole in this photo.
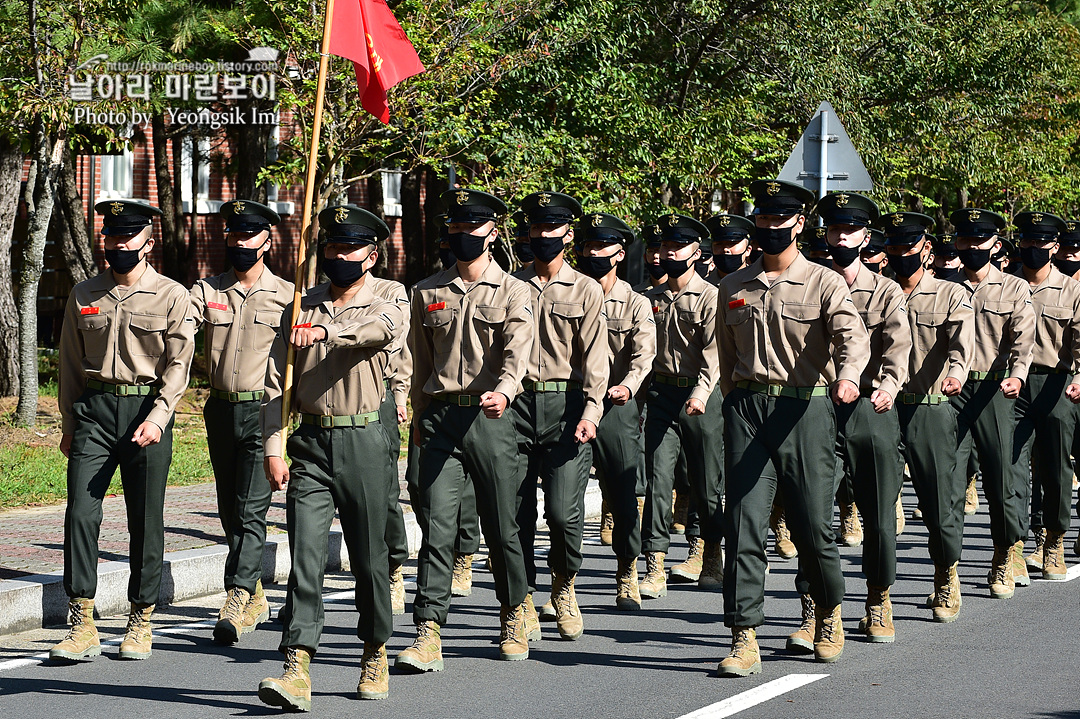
(305, 218)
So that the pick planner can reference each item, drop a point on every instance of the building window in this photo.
(391, 190)
(117, 175)
(203, 170)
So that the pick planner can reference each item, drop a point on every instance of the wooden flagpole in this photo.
(305, 226)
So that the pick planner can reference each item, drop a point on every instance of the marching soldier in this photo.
(393, 413)
(241, 311)
(523, 250)
(787, 332)
(816, 247)
(941, 321)
(470, 337)
(873, 255)
(125, 352)
(868, 431)
(683, 412)
(946, 263)
(655, 274)
(1046, 408)
(1067, 258)
(1004, 338)
(730, 235)
(619, 450)
(557, 414)
(343, 337)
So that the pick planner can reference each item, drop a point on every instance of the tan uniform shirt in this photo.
(240, 326)
(631, 337)
(399, 371)
(1056, 303)
(140, 335)
(943, 332)
(469, 339)
(686, 334)
(880, 303)
(342, 375)
(800, 330)
(571, 342)
(1004, 324)
(644, 287)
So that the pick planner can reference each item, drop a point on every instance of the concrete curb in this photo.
(39, 600)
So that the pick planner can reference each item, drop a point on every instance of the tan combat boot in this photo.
(829, 640)
(785, 548)
(139, 636)
(745, 657)
(513, 643)
(1053, 567)
(425, 654)
(607, 525)
(627, 596)
(257, 610)
(82, 641)
(532, 620)
(397, 590)
(547, 613)
(1035, 559)
(971, 498)
(461, 584)
(1001, 581)
(292, 690)
(374, 673)
(712, 567)
(654, 585)
(231, 625)
(901, 523)
(564, 600)
(802, 641)
(640, 511)
(946, 601)
(680, 508)
(1020, 572)
(878, 622)
(690, 570)
(850, 526)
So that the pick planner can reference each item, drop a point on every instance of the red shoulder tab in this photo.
(89, 310)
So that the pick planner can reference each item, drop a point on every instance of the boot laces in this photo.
(608, 521)
(696, 549)
(741, 645)
(138, 624)
(829, 625)
(876, 613)
(370, 667)
(513, 625)
(75, 619)
(562, 598)
(808, 618)
(424, 633)
(781, 530)
(292, 665)
(653, 566)
(460, 563)
(850, 518)
(1001, 567)
(236, 603)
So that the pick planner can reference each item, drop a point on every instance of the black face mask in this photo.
(446, 256)
(774, 241)
(874, 267)
(656, 271)
(1067, 267)
(947, 273)
(905, 265)
(467, 247)
(524, 252)
(844, 256)
(242, 259)
(547, 249)
(342, 273)
(754, 256)
(727, 263)
(124, 261)
(974, 260)
(1034, 258)
(702, 268)
(595, 267)
(675, 268)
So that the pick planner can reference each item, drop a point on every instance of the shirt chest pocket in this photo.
(872, 319)
(147, 337)
(264, 329)
(798, 321)
(566, 320)
(94, 330)
(218, 324)
(1050, 330)
(488, 321)
(440, 324)
(928, 325)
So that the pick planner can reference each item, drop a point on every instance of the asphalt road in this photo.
(1014, 658)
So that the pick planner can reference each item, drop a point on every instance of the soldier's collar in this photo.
(795, 273)
(865, 279)
(620, 292)
(1055, 280)
(492, 275)
(143, 284)
(233, 282)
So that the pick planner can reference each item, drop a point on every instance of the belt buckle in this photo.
(326, 421)
(682, 381)
(773, 390)
(464, 400)
(234, 397)
(121, 390)
(907, 398)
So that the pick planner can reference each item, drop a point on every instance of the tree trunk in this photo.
(172, 228)
(252, 145)
(433, 207)
(412, 226)
(11, 163)
(40, 198)
(375, 197)
(70, 222)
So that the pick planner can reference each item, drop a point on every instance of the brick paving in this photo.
(32, 540)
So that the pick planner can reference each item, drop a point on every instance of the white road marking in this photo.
(179, 629)
(753, 697)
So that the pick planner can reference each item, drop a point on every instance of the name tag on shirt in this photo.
(217, 306)
(436, 306)
(89, 310)
(736, 304)
(303, 326)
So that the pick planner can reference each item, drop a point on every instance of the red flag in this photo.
(366, 32)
